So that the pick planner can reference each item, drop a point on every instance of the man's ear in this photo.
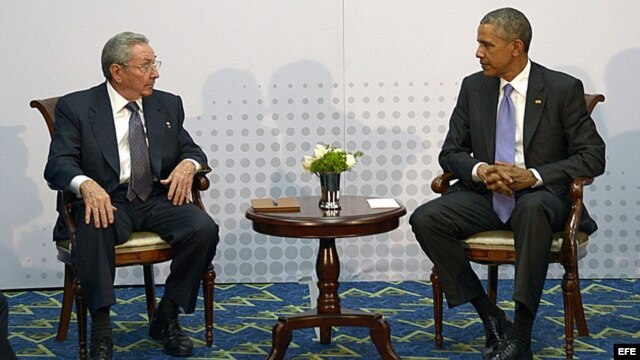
(116, 72)
(518, 47)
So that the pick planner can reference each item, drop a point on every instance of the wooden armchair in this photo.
(142, 248)
(494, 248)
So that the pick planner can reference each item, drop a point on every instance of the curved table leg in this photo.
(379, 330)
(329, 313)
(281, 338)
(381, 337)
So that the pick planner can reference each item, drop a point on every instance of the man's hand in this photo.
(520, 178)
(97, 204)
(496, 178)
(506, 178)
(179, 182)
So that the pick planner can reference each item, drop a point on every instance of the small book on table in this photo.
(286, 204)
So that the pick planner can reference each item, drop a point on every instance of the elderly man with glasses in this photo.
(122, 148)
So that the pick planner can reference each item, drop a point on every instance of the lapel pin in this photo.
(537, 101)
(168, 125)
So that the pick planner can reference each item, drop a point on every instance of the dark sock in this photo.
(486, 308)
(101, 323)
(167, 308)
(522, 325)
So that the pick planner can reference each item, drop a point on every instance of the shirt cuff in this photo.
(197, 164)
(474, 172)
(539, 181)
(76, 182)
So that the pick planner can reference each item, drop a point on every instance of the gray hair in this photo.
(510, 24)
(117, 50)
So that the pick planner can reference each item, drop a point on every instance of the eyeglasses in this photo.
(146, 67)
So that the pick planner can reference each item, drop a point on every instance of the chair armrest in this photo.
(67, 201)
(577, 186)
(200, 183)
(569, 252)
(441, 182)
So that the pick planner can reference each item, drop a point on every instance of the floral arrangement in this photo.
(328, 159)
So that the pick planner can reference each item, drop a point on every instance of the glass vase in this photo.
(330, 191)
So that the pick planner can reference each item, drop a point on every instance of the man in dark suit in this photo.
(123, 186)
(553, 140)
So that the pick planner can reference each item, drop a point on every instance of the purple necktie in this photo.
(141, 181)
(505, 150)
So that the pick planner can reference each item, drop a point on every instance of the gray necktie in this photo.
(141, 181)
(505, 150)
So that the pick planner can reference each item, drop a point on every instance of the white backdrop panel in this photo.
(263, 81)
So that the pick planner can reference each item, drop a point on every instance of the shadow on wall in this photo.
(256, 135)
(614, 201)
(622, 131)
(301, 101)
(621, 125)
(301, 106)
(305, 101)
(233, 125)
(234, 121)
(20, 202)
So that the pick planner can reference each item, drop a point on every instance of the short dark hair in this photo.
(511, 24)
(117, 50)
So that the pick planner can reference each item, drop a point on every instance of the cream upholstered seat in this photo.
(139, 241)
(501, 239)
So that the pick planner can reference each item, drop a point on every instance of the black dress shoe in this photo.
(495, 330)
(167, 330)
(101, 348)
(512, 350)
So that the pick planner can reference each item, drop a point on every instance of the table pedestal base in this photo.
(379, 330)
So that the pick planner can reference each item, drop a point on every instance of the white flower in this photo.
(351, 161)
(319, 151)
(306, 163)
(329, 159)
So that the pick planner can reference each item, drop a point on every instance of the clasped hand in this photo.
(505, 178)
(98, 207)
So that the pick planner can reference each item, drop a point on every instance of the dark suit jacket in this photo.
(560, 138)
(85, 139)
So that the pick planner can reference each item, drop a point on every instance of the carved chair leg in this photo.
(492, 283)
(569, 285)
(67, 304)
(149, 289)
(81, 313)
(578, 312)
(437, 307)
(208, 284)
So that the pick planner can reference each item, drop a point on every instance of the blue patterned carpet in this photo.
(245, 314)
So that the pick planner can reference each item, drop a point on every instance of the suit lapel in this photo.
(154, 116)
(534, 105)
(104, 129)
(489, 106)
